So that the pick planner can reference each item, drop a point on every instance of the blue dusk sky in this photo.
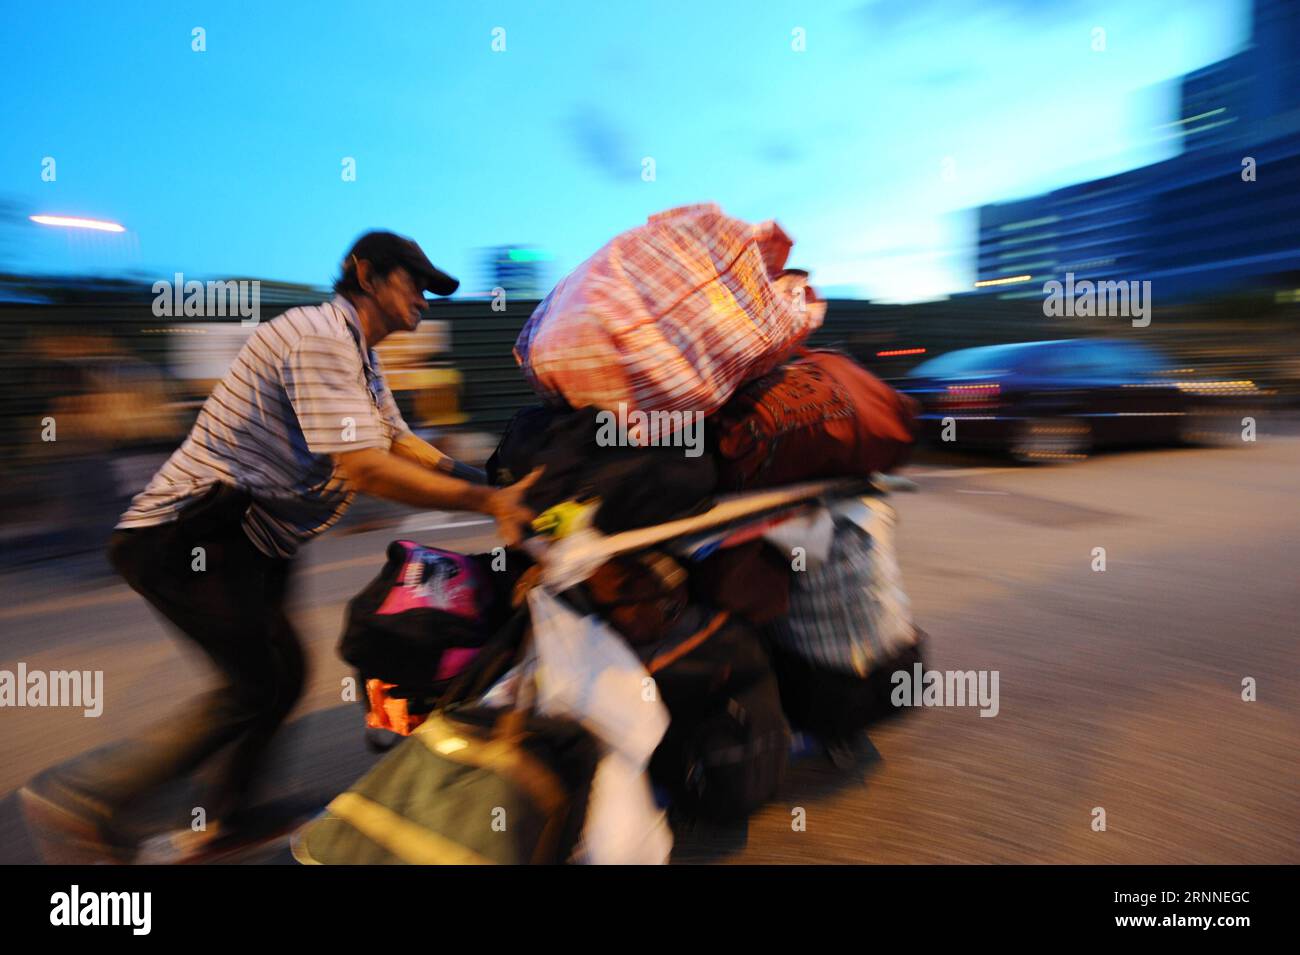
(872, 145)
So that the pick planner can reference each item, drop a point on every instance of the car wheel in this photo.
(1045, 440)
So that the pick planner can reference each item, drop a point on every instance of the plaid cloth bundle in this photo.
(850, 614)
(671, 316)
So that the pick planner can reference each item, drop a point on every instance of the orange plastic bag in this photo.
(390, 712)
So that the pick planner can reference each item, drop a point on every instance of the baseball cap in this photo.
(386, 249)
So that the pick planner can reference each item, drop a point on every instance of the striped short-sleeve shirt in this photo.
(302, 388)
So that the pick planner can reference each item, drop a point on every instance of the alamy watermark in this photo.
(921, 687)
(74, 688)
(133, 910)
(671, 429)
(1109, 299)
(212, 299)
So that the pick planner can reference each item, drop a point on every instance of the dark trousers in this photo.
(204, 575)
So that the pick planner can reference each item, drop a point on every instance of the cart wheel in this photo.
(381, 741)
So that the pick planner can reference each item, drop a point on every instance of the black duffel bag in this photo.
(836, 706)
(727, 747)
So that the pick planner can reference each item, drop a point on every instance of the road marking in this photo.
(411, 520)
(65, 603)
(438, 527)
(964, 491)
(957, 472)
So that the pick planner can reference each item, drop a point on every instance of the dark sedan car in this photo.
(1059, 400)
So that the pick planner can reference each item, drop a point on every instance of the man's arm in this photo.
(414, 448)
(334, 411)
(383, 474)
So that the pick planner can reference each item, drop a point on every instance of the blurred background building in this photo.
(1216, 218)
(83, 346)
(519, 270)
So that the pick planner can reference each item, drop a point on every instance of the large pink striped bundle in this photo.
(670, 316)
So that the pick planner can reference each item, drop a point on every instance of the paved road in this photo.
(1119, 690)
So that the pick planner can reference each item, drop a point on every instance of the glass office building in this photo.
(1216, 218)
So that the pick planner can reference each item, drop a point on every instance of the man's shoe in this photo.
(246, 830)
(179, 847)
(852, 754)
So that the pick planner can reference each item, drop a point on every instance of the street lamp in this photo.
(76, 222)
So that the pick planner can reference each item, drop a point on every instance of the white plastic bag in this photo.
(586, 672)
(624, 826)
